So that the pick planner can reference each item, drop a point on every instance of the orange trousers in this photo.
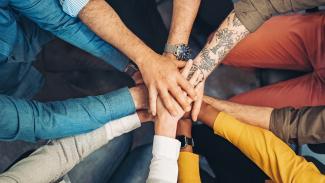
(291, 42)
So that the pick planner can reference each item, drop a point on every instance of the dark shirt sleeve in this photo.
(31, 120)
(302, 126)
(253, 13)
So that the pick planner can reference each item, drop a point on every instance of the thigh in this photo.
(99, 166)
(293, 42)
(308, 90)
(227, 162)
(135, 167)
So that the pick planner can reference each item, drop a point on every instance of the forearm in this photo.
(32, 120)
(60, 156)
(254, 115)
(100, 17)
(219, 44)
(184, 14)
(48, 15)
(261, 146)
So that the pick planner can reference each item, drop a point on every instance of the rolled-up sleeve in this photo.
(302, 126)
(253, 13)
(30, 120)
(73, 7)
(49, 16)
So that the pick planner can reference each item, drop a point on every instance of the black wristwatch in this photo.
(131, 68)
(180, 51)
(185, 141)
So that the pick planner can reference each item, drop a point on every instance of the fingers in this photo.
(194, 79)
(153, 100)
(196, 109)
(181, 98)
(187, 87)
(169, 103)
(187, 68)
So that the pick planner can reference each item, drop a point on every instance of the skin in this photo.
(219, 44)
(253, 115)
(166, 124)
(184, 127)
(160, 74)
(184, 14)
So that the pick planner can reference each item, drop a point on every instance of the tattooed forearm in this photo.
(207, 62)
(230, 32)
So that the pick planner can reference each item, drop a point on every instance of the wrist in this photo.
(184, 127)
(165, 128)
(145, 57)
(139, 97)
(203, 73)
(208, 114)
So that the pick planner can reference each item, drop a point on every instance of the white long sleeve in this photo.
(163, 167)
(54, 160)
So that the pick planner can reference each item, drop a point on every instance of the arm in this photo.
(188, 162)
(184, 14)
(219, 44)
(247, 17)
(268, 152)
(253, 115)
(163, 167)
(160, 74)
(32, 120)
(302, 126)
(60, 156)
(49, 16)
(165, 151)
(253, 13)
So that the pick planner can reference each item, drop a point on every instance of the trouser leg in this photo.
(135, 167)
(99, 166)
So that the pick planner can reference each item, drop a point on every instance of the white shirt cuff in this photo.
(73, 7)
(166, 147)
(123, 125)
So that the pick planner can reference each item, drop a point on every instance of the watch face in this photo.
(183, 52)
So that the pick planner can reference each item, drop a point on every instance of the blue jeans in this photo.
(99, 166)
(112, 163)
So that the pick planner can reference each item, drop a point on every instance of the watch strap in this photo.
(185, 141)
(131, 68)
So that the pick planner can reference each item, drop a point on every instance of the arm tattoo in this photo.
(207, 62)
(225, 38)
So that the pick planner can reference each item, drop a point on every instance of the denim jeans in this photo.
(100, 166)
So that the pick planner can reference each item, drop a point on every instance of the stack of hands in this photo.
(174, 109)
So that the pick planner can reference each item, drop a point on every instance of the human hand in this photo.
(140, 97)
(196, 77)
(145, 116)
(162, 77)
(166, 124)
